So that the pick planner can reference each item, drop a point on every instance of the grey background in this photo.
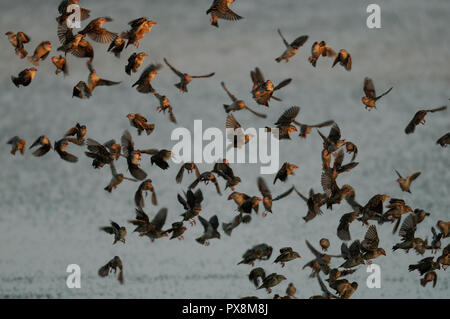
(50, 209)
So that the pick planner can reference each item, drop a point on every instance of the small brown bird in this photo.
(444, 227)
(314, 202)
(77, 45)
(61, 65)
(444, 140)
(425, 265)
(159, 157)
(291, 48)
(255, 274)
(224, 170)
(344, 288)
(286, 254)
(177, 230)
(25, 77)
(206, 177)
(285, 170)
(139, 28)
(117, 45)
(235, 133)
(189, 167)
(320, 49)
(324, 243)
(140, 123)
(17, 41)
(40, 53)
(352, 255)
(419, 118)
(326, 294)
(81, 90)
(371, 97)
(220, 9)
(235, 222)
(96, 31)
(133, 157)
(192, 205)
(333, 142)
(65, 13)
(18, 144)
(345, 59)
(351, 148)
(262, 90)
(271, 281)
(343, 230)
(260, 252)
(79, 131)
(145, 186)
(407, 232)
(405, 183)
(45, 144)
(164, 104)
(397, 208)
(369, 246)
(134, 62)
(144, 82)
(185, 78)
(284, 123)
(151, 229)
(60, 147)
(94, 80)
(101, 154)
(238, 104)
(321, 261)
(334, 194)
(116, 179)
(291, 290)
(210, 230)
(305, 129)
(436, 241)
(113, 264)
(429, 276)
(116, 230)
(267, 195)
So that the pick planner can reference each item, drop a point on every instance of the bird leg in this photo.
(264, 214)
(192, 222)
(269, 290)
(282, 264)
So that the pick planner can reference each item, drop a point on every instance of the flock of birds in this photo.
(357, 253)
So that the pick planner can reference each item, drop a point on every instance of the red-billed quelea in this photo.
(111, 265)
(267, 195)
(143, 84)
(238, 104)
(134, 62)
(17, 41)
(209, 230)
(286, 254)
(40, 53)
(116, 179)
(133, 157)
(343, 58)
(291, 48)
(116, 230)
(220, 9)
(139, 28)
(262, 90)
(320, 49)
(45, 146)
(24, 78)
(140, 123)
(96, 31)
(419, 118)
(60, 148)
(185, 78)
(405, 183)
(314, 202)
(285, 170)
(370, 98)
(18, 144)
(192, 205)
(271, 281)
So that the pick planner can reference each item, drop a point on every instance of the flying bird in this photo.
(291, 48)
